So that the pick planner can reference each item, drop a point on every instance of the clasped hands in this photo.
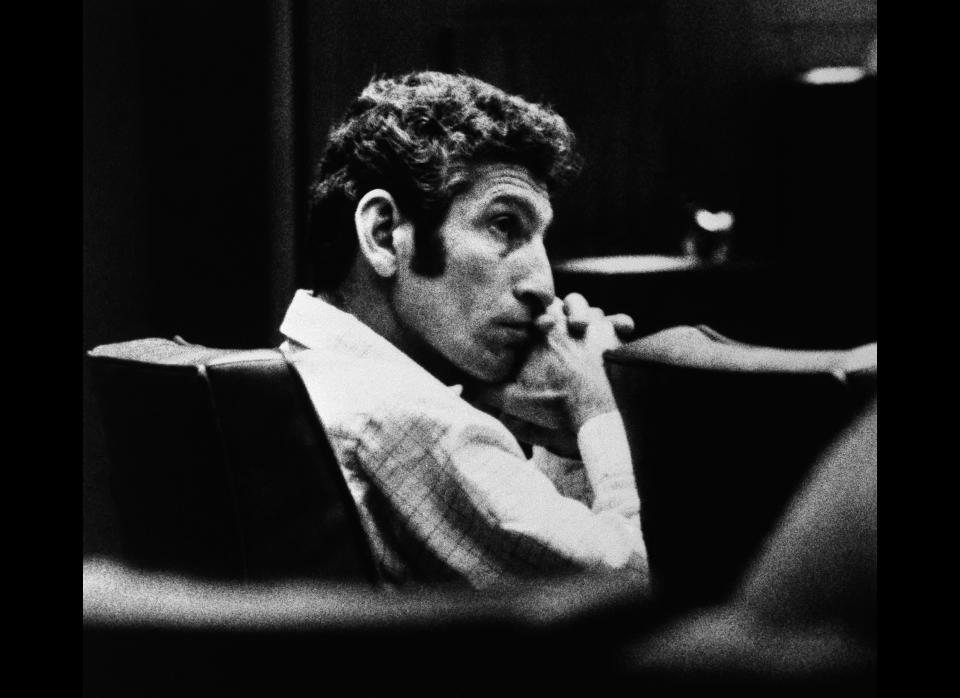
(562, 383)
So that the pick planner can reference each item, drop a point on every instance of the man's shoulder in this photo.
(362, 385)
(342, 382)
(389, 407)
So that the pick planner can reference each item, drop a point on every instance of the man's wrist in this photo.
(588, 404)
(605, 452)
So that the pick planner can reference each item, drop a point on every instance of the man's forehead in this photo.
(496, 181)
(497, 173)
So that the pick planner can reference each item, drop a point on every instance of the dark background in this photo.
(202, 119)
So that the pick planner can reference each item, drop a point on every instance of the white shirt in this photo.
(444, 490)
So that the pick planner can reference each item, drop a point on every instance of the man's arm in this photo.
(562, 400)
(524, 514)
(452, 486)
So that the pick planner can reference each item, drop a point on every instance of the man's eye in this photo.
(507, 226)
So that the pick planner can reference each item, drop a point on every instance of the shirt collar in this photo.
(312, 322)
(310, 319)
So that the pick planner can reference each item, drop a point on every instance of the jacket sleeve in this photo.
(525, 508)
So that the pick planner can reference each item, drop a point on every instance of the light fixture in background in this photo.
(713, 222)
(833, 75)
(708, 236)
(844, 74)
(625, 264)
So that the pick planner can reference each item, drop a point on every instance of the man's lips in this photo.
(518, 331)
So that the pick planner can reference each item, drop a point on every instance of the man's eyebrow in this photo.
(521, 202)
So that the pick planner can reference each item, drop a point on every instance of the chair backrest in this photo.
(219, 466)
(804, 620)
(167, 635)
(722, 434)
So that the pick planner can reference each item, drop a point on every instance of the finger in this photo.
(550, 317)
(623, 325)
(577, 310)
(555, 308)
(575, 304)
(545, 322)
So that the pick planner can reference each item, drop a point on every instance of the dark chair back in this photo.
(722, 434)
(219, 466)
(169, 635)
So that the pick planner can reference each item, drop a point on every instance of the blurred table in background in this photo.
(759, 302)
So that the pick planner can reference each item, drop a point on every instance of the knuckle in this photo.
(575, 301)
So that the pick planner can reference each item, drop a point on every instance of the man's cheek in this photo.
(499, 362)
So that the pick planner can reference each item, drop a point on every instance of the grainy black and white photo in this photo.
(479, 347)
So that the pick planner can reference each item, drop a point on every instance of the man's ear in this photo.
(385, 237)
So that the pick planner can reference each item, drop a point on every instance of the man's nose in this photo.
(534, 286)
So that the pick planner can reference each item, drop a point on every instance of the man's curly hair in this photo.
(417, 136)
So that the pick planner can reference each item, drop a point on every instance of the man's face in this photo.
(477, 314)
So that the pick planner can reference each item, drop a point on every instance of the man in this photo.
(430, 207)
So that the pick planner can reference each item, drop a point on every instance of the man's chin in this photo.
(496, 369)
(493, 377)
(497, 364)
